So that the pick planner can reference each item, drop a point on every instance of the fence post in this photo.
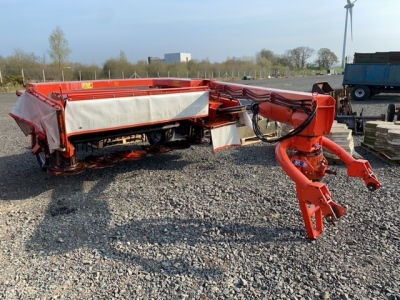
(1, 78)
(95, 77)
(23, 76)
(80, 76)
(44, 77)
(109, 74)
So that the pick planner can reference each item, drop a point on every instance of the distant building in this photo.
(151, 59)
(171, 58)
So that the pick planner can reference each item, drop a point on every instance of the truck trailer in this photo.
(373, 73)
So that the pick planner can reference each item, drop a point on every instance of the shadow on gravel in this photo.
(151, 237)
(79, 217)
(145, 243)
(21, 177)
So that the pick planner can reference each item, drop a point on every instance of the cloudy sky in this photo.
(208, 29)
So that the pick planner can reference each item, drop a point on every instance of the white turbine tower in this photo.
(349, 8)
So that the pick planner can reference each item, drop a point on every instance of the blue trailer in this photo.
(369, 79)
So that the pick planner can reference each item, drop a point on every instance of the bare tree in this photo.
(325, 58)
(298, 56)
(266, 58)
(156, 69)
(22, 60)
(120, 67)
(59, 50)
(124, 65)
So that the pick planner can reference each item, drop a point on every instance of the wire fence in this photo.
(11, 78)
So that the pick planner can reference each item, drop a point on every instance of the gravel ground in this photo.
(192, 224)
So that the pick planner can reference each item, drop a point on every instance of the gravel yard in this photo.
(193, 224)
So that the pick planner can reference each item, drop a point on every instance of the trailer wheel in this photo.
(42, 160)
(156, 137)
(391, 110)
(360, 92)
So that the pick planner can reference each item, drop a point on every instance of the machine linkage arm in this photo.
(312, 117)
(316, 204)
(315, 200)
(360, 168)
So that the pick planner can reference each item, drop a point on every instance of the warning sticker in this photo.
(87, 85)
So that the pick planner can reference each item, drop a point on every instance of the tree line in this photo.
(24, 66)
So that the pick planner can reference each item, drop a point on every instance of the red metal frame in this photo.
(48, 88)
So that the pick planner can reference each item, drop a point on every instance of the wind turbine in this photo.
(349, 8)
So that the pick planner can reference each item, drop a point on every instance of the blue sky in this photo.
(208, 29)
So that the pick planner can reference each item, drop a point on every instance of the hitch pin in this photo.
(371, 188)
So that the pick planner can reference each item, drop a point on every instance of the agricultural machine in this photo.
(344, 112)
(63, 118)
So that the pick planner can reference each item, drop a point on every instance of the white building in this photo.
(171, 58)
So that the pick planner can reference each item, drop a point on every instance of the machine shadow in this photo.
(119, 243)
(79, 217)
(21, 177)
(27, 180)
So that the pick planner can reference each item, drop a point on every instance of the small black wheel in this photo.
(43, 161)
(156, 138)
(391, 110)
(360, 92)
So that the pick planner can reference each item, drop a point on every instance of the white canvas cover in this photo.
(40, 115)
(105, 114)
(225, 136)
(111, 113)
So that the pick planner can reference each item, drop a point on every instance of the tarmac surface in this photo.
(301, 84)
